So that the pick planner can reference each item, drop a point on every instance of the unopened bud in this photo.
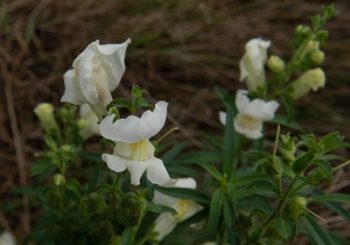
(297, 207)
(44, 112)
(59, 179)
(82, 123)
(302, 29)
(276, 64)
(310, 80)
(317, 56)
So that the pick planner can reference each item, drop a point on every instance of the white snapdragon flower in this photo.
(252, 63)
(7, 239)
(133, 150)
(166, 222)
(251, 114)
(89, 121)
(96, 72)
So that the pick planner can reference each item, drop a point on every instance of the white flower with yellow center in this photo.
(96, 72)
(89, 121)
(252, 63)
(133, 150)
(166, 222)
(251, 114)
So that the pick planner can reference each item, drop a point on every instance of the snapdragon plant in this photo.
(140, 187)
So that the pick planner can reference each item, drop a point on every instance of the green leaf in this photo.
(173, 152)
(119, 103)
(42, 167)
(210, 169)
(339, 210)
(215, 212)
(185, 193)
(285, 121)
(331, 141)
(155, 208)
(250, 179)
(302, 162)
(285, 227)
(316, 232)
(196, 156)
(229, 148)
(288, 104)
(127, 236)
(93, 156)
(337, 197)
(229, 214)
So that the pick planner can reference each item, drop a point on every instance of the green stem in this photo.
(279, 208)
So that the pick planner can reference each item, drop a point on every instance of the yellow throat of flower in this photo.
(181, 206)
(140, 150)
(247, 121)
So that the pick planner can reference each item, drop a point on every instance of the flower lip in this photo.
(134, 129)
(256, 108)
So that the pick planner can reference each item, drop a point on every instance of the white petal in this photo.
(192, 209)
(136, 170)
(242, 100)
(164, 225)
(115, 163)
(251, 130)
(112, 58)
(242, 68)
(134, 129)
(256, 108)
(91, 119)
(85, 73)
(72, 91)
(222, 117)
(189, 183)
(156, 172)
(261, 109)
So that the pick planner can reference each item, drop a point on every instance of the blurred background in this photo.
(180, 50)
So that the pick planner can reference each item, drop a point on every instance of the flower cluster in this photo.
(97, 72)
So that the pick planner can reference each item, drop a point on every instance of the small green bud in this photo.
(288, 148)
(311, 80)
(297, 207)
(276, 64)
(82, 123)
(303, 29)
(59, 179)
(311, 45)
(45, 113)
(317, 56)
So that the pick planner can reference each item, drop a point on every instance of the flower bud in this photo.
(297, 207)
(302, 29)
(310, 80)
(82, 123)
(317, 56)
(59, 179)
(288, 148)
(276, 64)
(44, 112)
